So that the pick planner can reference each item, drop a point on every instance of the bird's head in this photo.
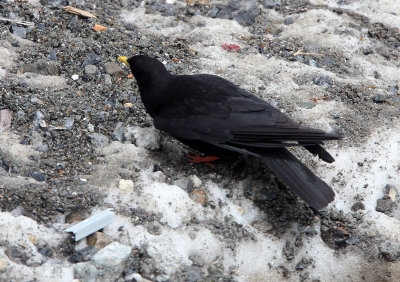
(144, 68)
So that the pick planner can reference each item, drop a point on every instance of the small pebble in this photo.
(90, 69)
(126, 185)
(379, 98)
(38, 176)
(18, 31)
(288, 21)
(113, 68)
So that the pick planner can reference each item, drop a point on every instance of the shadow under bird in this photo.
(211, 114)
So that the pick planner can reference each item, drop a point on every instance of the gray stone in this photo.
(310, 62)
(85, 271)
(99, 140)
(107, 79)
(394, 90)
(118, 133)
(68, 123)
(182, 182)
(289, 21)
(39, 118)
(323, 81)
(269, 4)
(18, 31)
(212, 13)
(42, 148)
(52, 55)
(367, 51)
(307, 105)
(113, 256)
(90, 69)
(113, 69)
(148, 138)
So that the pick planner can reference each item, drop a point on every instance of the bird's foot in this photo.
(206, 160)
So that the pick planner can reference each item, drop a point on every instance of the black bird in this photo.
(208, 112)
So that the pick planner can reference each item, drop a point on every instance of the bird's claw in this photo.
(206, 160)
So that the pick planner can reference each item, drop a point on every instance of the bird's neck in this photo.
(151, 92)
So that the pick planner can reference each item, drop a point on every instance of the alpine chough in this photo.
(208, 112)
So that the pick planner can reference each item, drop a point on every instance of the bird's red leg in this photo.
(206, 160)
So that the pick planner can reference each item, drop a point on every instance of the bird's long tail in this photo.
(298, 177)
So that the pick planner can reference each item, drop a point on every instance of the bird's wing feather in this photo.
(220, 111)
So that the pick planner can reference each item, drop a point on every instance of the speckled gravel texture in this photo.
(70, 98)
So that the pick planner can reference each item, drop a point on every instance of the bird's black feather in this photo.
(211, 111)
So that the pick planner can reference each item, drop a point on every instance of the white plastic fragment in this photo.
(91, 224)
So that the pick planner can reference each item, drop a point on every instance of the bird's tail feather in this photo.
(320, 152)
(293, 173)
(299, 178)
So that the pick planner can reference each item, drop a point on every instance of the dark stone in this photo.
(212, 13)
(288, 21)
(323, 81)
(157, 167)
(130, 27)
(367, 51)
(40, 26)
(269, 4)
(334, 238)
(15, 255)
(247, 17)
(384, 205)
(46, 252)
(390, 251)
(15, 44)
(329, 62)
(300, 266)
(38, 176)
(234, 4)
(92, 59)
(358, 206)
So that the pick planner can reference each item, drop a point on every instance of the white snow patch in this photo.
(380, 156)
(170, 200)
(28, 235)
(383, 11)
(7, 56)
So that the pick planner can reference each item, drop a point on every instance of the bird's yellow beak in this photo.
(124, 60)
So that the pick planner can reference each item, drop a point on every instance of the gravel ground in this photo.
(75, 140)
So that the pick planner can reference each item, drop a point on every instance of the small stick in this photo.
(17, 21)
(305, 53)
(79, 12)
